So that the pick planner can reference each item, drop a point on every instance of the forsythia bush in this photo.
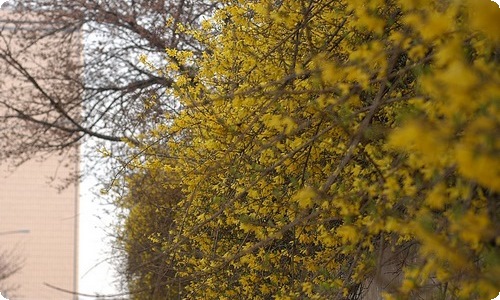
(324, 149)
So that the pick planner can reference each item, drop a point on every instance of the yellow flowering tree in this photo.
(332, 149)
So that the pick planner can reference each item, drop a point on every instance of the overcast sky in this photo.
(95, 273)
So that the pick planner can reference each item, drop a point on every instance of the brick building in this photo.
(38, 223)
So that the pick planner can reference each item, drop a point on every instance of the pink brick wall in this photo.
(28, 201)
(48, 251)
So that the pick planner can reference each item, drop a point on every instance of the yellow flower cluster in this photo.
(323, 142)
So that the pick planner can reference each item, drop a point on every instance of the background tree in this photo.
(323, 143)
(107, 95)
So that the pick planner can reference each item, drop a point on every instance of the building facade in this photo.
(38, 222)
(39, 228)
